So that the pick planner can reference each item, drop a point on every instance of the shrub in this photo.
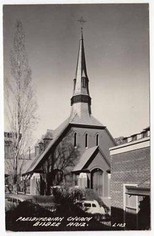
(65, 194)
(42, 199)
(76, 194)
(9, 205)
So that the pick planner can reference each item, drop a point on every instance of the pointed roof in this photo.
(81, 69)
(88, 156)
(59, 132)
(86, 120)
(84, 158)
(81, 100)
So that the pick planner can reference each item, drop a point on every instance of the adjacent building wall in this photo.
(130, 165)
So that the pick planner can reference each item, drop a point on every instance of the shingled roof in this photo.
(85, 120)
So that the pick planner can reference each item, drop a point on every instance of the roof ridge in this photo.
(60, 129)
(84, 159)
(85, 120)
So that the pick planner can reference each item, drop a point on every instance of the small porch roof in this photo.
(87, 157)
(138, 191)
(84, 158)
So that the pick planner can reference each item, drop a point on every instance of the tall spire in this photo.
(81, 62)
(81, 101)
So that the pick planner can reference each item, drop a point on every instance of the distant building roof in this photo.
(136, 136)
(23, 164)
(49, 134)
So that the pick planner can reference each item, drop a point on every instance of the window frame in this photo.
(124, 200)
(86, 140)
(75, 139)
(97, 139)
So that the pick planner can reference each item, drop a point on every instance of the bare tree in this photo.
(119, 140)
(20, 102)
(59, 164)
(66, 154)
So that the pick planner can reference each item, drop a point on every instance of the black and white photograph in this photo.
(77, 117)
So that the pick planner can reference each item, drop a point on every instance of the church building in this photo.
(77, 152)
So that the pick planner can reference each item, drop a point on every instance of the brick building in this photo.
(130, 182)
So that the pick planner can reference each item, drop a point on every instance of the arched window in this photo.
(97, 139)
(74, 139)
(86, 140)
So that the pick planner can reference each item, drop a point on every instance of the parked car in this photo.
(17, 198)
(93, 207)
(13, 200)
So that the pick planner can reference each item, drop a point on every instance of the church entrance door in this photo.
(97, 181)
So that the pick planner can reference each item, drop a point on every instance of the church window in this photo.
(75, 140)
(97, 140)
(74, 83)
(84, 82)
(109, 184)
(86, 140)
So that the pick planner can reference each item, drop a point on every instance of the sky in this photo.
(116, 39)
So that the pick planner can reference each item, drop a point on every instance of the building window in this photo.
(109, 184)
(134, 137)
(130, 201)
(75, 140)
(144, 134)
(74, 83)
(84, 82)
(86, 140)
(83, 180)
(97, 140)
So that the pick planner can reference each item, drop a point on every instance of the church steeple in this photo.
(81, 100)
(81, 70)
